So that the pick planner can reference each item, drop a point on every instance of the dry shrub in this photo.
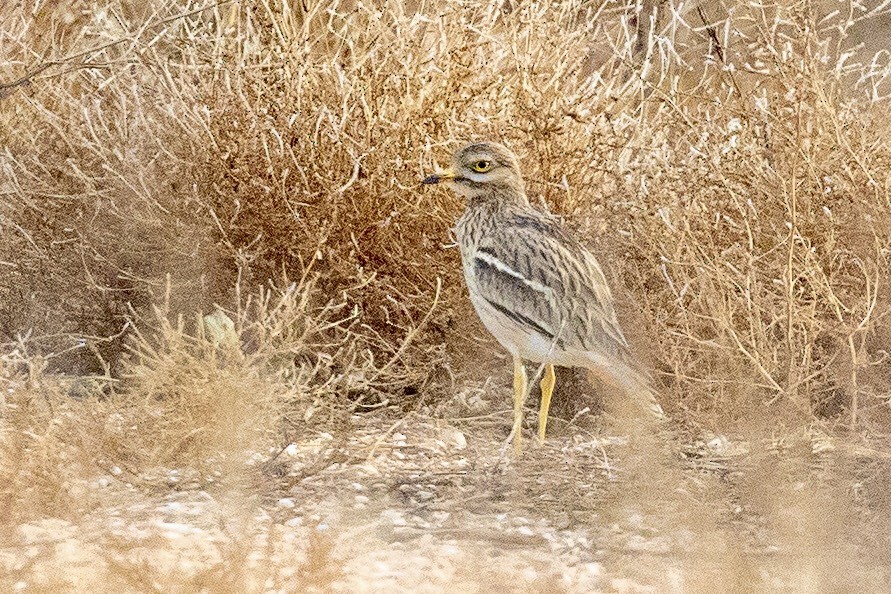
(730, 166)
(224, 385)
(209, 397)
(46, 445)
(771, 233)
(165, 160)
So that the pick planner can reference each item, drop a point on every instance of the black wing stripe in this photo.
(523, 320)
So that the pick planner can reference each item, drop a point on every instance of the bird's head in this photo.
(483, 170)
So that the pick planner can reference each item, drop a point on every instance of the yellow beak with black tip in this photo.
(436, 178)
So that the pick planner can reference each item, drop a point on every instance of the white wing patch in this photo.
(501, 266)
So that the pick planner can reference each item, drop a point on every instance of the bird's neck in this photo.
(483, 211)
(496, 197)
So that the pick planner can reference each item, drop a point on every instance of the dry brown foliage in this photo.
(161, 161)
(178, 154)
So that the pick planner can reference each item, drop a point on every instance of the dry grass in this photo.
(162, 161)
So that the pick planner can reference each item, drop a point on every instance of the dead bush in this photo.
(729, 167)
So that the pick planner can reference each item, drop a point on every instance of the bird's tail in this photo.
(625, 373)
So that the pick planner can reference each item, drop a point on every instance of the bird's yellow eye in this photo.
(482, 166)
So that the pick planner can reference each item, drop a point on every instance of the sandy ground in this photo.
(425, 505)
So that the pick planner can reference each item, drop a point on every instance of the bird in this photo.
(535, 287)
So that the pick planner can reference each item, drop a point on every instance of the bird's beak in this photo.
(436, 178)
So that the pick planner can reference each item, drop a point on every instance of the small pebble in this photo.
(395, 518)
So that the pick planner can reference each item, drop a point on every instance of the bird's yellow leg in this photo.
(547, 388)
(519, 398)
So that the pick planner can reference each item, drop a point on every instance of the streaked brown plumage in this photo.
(537, 290)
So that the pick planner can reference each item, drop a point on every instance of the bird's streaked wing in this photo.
(532, 272)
